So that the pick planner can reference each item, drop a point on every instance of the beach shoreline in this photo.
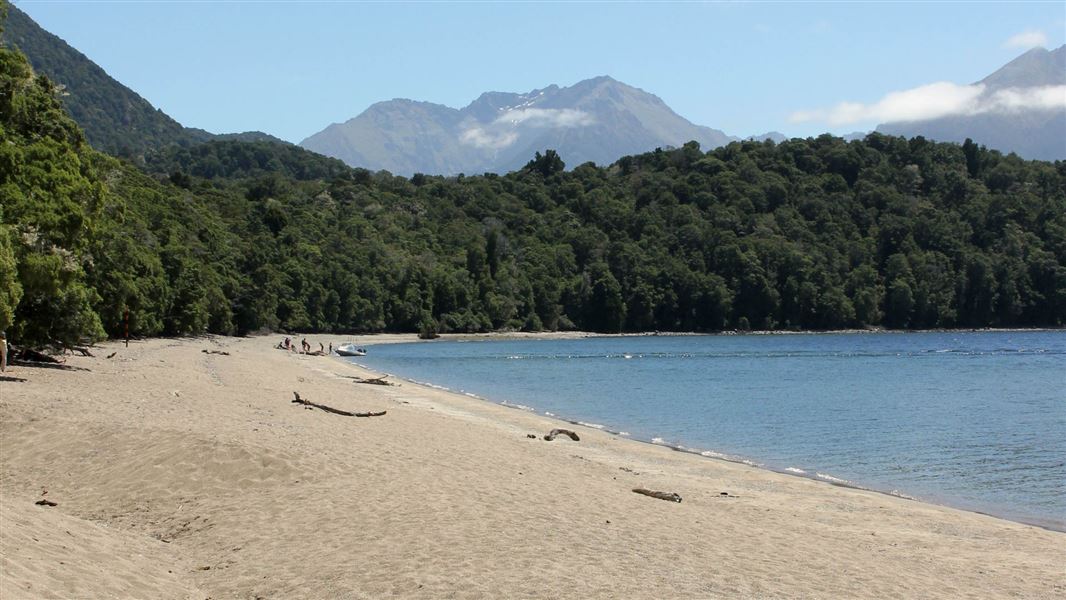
(1002, 512)
(169, 455)
(1055, 525)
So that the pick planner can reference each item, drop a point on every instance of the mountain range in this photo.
(602, 119)
(598, 120)
(1033, 133)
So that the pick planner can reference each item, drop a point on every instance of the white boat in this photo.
(349, 350)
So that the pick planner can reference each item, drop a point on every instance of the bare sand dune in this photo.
(180, 474)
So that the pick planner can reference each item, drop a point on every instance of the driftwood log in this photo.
(112, 355)
(81, 350)
(375, 381)
(336, 411)
(222, 352)
(672, 497)
(566, 432)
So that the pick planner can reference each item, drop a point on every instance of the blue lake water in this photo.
(975, 420)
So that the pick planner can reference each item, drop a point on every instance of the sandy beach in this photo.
(178, 473)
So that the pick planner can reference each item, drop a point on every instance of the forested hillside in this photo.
(114, 118)
(234, 237)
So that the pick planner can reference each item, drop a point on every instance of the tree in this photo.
(546, 165)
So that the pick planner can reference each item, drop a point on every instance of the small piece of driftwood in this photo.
(82, 350)
(336, 411)
(566, 432)
(43, 502)
(375, 381)
(222, 352)
(672, 497)
(112, 355)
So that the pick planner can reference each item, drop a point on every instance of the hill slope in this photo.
(115, 119)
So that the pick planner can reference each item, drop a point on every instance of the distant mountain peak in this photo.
(599, 119)
(1035, 67)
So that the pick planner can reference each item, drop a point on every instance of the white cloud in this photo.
(937, 100)
(1027, 39)
(481, 138)
(1015, 99)
(546, 117)
(501, 132)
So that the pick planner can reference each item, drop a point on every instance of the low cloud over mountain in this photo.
(1019, 108)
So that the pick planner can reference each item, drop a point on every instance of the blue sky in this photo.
(292, 68)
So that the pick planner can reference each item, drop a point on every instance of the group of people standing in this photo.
(305, 347)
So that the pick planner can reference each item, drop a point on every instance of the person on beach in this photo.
(321, 348)
(331, 347)
(3, 351)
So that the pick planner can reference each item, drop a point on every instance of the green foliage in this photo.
(236, 237)
(50, 202)
(10, 288)
(235, 159)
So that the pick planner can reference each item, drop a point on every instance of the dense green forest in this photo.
(238, 237)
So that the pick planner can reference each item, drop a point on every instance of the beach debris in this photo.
(330, 409)
(727, 495)
(375, 381)
(31, 355)
(81, 350)
(112, 355)
(531, 436)
(222, 352)
(43, 502)
(566, 432)
(628, 470)
(671, 496)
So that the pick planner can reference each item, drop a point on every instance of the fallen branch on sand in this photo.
(81, 350)
(566, 432)
(112, 355)
(222, 352)
(43, 502)
(336, 411)
(375, 381)
(672, 497)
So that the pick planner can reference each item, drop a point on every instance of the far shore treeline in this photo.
(235, 237)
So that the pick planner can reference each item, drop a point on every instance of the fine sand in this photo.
(182, 474)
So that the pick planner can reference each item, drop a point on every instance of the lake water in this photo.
(975, 420)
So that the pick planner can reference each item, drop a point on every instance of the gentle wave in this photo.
(832, 479)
